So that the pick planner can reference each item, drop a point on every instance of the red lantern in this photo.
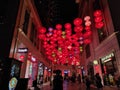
(77, 21)
(67, 26)
(58, 26)
(87, 41)
(41, 36)
(98, 19)
(59, 32)
(87, 34)
(99, 25)
(97, 13)
(87, 28)
(78, 29)
(42, 30)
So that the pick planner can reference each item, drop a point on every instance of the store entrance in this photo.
(110, 69)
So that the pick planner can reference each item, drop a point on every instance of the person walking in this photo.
(79, 78)
(98, 81)
(87, 82)
(58, 81)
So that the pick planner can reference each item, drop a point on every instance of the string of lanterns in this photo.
(98, 19)
(63, 45)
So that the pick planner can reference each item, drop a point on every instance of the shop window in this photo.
(33, 36)
(87, 49)
(101, 34)
(32, 32)
(25, 25)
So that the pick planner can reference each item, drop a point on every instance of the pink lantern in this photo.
(87, 23)
(87, 18)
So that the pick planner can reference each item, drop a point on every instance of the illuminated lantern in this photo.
(41, 36)
(78, 29)
(55, 35)
(87, 28)
(77, 21)
(97, 13)
(99, 25)
(81, 38)
(87, 34)
(48, 34)
(81, 42)
(87, 18)
(59, 32)
(87, 41)
(67, 26)
(45, 42)
(42, 30)
(50, 29)
(98, 19)
(87, 23)
(68, 31)
(59, 26)
(55, 31)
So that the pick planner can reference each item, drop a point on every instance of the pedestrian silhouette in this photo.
(58, 81)
(98, 81)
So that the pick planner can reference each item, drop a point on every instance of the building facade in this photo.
(102, 55)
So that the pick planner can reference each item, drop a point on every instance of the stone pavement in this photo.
(75, 86)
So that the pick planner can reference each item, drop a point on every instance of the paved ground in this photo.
(75, 86)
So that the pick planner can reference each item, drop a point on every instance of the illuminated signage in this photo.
(22, 50)
(107, 58)
(12, 83)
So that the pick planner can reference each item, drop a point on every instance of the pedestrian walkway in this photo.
(75, 86)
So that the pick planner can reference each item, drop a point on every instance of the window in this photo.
(25, 25)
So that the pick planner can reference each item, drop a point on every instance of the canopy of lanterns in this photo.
(64, 44)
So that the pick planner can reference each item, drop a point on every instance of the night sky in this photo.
(52, 12)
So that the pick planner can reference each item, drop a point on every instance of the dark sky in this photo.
(52, 12)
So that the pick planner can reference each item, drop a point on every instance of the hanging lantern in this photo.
(99, 25)
(50, 29)
(42, 30)
(67, 26)
(87, 28)
(78, 29)
(87, 18)
(87, 41)
(87, 23)
(41, 36)
(97, 13)
(98, 19)
(77, 21)
(59, 26)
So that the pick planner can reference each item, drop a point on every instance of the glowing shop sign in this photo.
(107, 57)
(22, 50)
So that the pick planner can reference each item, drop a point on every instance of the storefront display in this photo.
(109, 68)
(10, 73)
(108, 64)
